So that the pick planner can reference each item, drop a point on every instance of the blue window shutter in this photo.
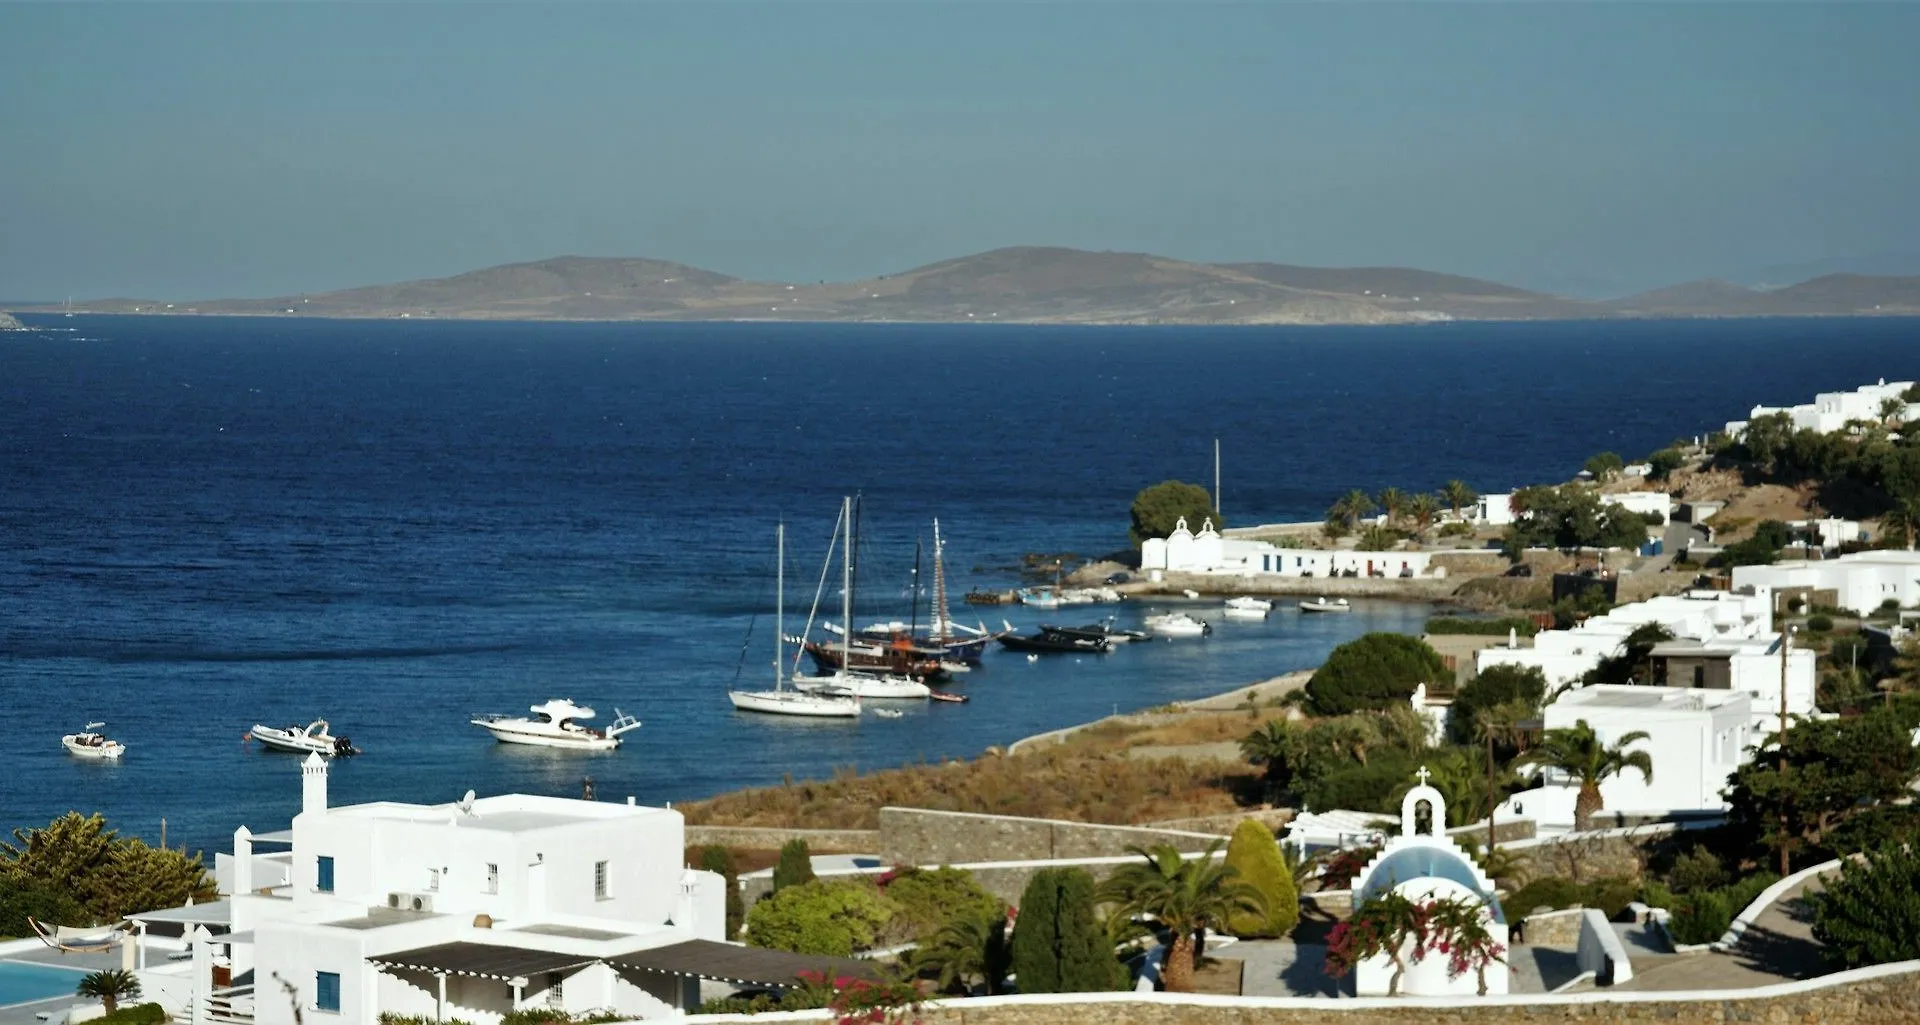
(326, 987)
(323, 874)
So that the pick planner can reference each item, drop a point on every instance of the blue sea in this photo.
(207, 523)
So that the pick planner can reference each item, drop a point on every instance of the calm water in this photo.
(208, 523)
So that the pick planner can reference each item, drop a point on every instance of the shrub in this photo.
(1057, 945)
(1698, 869)
(929, 899)
(1664, 462)
(1373, 672)
(1874, 828)
(1255, 857)
(795, 866)
(138, 1014)
(1343, 868)
(1496, 685)
(109, 876)
(1479, 627)
(1820, 624)
(1456, 529)
(800, 999)
(1704, 915)
(1366, 787)
(1610, 896)
(1156, 510)
(1871, 913)
(818, 917)
(718, 860)
(21, 899)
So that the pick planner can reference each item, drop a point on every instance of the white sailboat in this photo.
(780, 700)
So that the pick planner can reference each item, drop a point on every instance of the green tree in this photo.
(1157, 509)
(1255, 857)
(1185, 896)
(718, 860)
(1458, 495)
(970, 946)
(1273, 746)
(1456, 773)
(1605, 466)
(1834, 770)
(1422, 510)
(1374, 671)
(1351, 508)
(1579, 753)
(1377, 539)
(21, 899)
(795, 865)
(109, 876)
(1634, 664)
(1664, 462)
(1493, 686)
(928, 898)
(109, 987)
(820, 917)
(1571, 517)
(1765, 439)
(1871, 913)
(1393, 502)
(1058, 945)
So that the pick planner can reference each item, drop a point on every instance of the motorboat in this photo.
(1178, 624)
(1321, 604)
(888, 685)
(888, 713)
(1041, 598)
(92, 746)
(782, 700)
(1099, 631)
(313, 737)
(1249, 607)
(949, 697)
(1051, 643)
(555, 724)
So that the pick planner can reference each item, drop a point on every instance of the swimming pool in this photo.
(22, 982)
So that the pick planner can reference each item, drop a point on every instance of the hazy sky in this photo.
(215, 150)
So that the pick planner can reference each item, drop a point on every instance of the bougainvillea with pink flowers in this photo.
(1454, 927)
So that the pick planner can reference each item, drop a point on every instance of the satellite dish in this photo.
(466, 803)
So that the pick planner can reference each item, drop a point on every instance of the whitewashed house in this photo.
(1658, 503)
(1860, 582)
(465, 910)
(1696, 739)
(1424, 863)
(1207, 552)
(1493, 510)
(1831, 411)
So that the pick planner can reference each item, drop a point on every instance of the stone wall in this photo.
(1272, 818)
(848, 841)
(914, 836)
(1884, 995)
(1551, 928)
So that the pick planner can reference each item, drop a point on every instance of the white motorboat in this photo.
(1249, 607)
(1041, 598)
(553, 724)
(780, 700)
(865, 685)
(92, 746)
(313, 737)
(1321, 604)
(1178, 624)
(888, 713)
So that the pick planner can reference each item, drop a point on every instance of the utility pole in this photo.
(1786, 647)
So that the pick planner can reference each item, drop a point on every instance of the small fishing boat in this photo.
(313, 737)
(1248, 607)
(554, 724)
(1321, 604)
(888, 713)
(948, 697)
(1041, 598)
(93, 746)
(1178, 624)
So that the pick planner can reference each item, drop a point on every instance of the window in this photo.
(433, 880)
(493, 878)
(599, 880)
(326, 991)
(556, 997)
(323, 874)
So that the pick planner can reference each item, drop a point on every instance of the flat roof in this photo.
(1650, 699)
(506, 813)
(481, 961)
(576, 932)
(746, 966)
(213, 912)
(376, 918)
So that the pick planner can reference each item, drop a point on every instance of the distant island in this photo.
(1032, 285)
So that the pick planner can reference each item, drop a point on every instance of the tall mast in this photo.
(779, 605)
(939, 589)
(1216, 475)
(846, 590)
(913, 596)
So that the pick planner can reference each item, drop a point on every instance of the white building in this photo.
(1208, 552)
(1831, 411)
(1860, 582)
(1829, 533)
(1696, 739)
(1493, 510)
(466, 910)
(1425, 864)
(1643, 502)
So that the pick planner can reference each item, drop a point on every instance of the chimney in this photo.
(242, 861)
(313, 785)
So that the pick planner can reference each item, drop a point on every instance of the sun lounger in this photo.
(79, 939)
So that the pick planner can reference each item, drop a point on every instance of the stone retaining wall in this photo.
(1883, 995)
(1551, 928)
(1272, 818)
(913, 836)
(851, 841)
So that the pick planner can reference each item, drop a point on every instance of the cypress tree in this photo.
(1058, 946)
(795, 866)
(1254, 856)
(717, 859)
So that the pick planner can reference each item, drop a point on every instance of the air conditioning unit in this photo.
(410, 901)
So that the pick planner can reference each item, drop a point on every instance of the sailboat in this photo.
(780, 700)
(842, 681)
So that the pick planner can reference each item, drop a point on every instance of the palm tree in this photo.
(1353, 506)
(109, 987)
(1423, 510)
(1458, 495)
(1394, 502)
(1499, 724)
(1272, 747)
(1185, 896)
(1579, 753)
(969, 946)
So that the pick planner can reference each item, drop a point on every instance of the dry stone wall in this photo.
(915, 836)
(851, 841)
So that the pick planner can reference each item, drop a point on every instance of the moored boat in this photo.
(1048, 642)
(888, 686)
(1249, 607)
(1178, 624)
(93, 747)
(1100, 631)
(780, 700)
(1321, 604)
(315, 737)
(555, 724)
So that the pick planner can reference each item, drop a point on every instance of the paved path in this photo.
(1778, 947)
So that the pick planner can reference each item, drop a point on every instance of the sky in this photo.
(215, 150)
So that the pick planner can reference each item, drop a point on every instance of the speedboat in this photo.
(1321, 604)
(554, 724)
(1178, 624)
(863, 685)
(1054, 642)
(949, 697)
(1097, 631)
(888, 713)
(313, 737)
(92, 746)
(1249, 606)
